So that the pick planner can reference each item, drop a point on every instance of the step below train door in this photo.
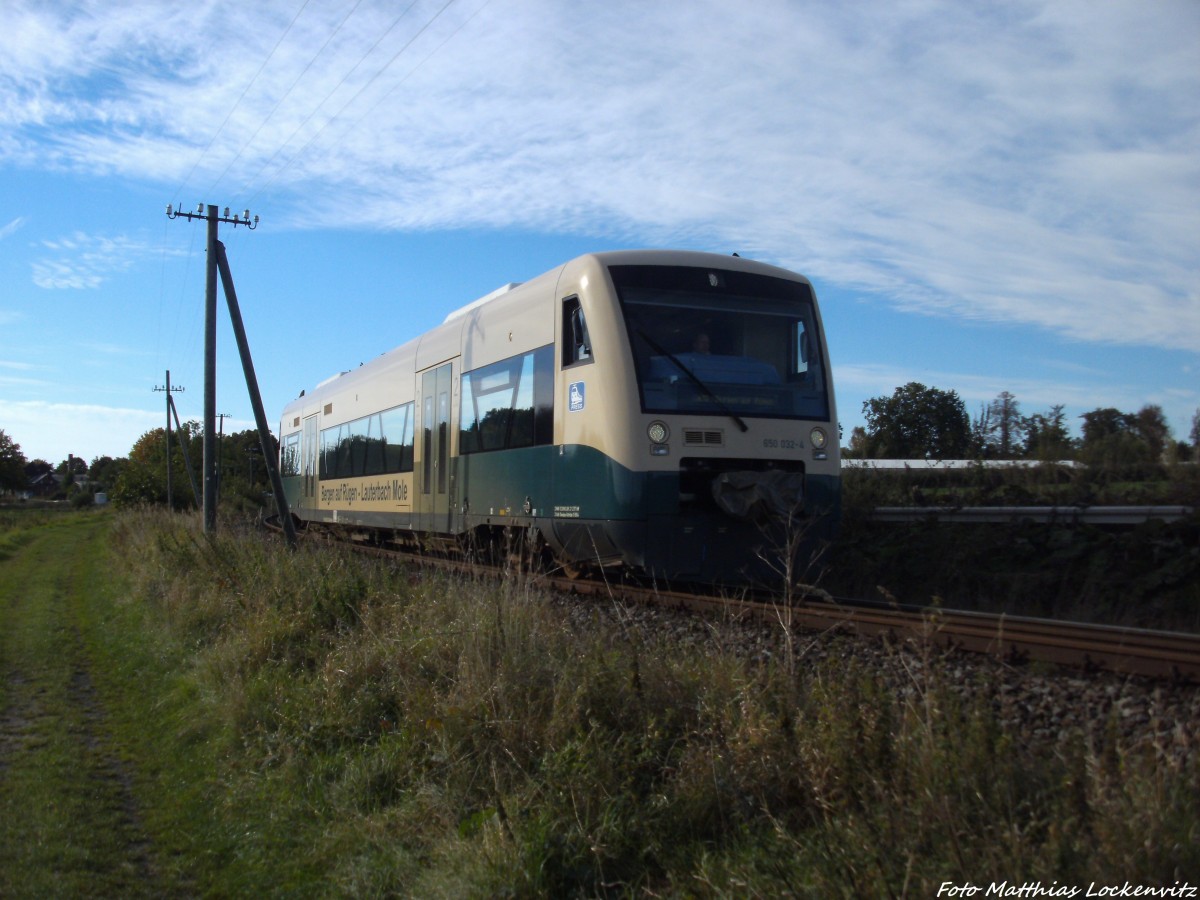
(434, 472)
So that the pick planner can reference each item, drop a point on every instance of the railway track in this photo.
(1060, 515)
(1017, 639)
(1131, 651)
(1154, 654)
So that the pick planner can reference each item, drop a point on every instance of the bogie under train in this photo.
(667, 412)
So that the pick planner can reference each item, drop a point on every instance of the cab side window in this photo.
(576, 343)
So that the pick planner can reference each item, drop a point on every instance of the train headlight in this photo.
(817, 436)
(658, 432)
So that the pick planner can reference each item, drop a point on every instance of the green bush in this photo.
(1146, 576)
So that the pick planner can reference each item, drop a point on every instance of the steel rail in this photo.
(1131, 651)
(1062, 515)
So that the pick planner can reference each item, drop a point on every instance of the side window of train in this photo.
(508, 404)
(576, 343)
(289, 462)
(378, 444)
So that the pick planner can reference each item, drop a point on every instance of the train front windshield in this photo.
(719, 342)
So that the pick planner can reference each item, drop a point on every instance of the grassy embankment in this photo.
(311, 723)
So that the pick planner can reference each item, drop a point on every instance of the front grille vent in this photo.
(699, 437)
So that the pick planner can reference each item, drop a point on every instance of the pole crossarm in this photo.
(212, 216)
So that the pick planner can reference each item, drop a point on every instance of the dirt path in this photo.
(69, 821)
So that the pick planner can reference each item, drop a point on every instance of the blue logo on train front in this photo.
(575, 396)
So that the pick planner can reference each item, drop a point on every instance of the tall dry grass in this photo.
(382, 731)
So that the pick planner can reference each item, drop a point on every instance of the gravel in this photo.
(1034, 702)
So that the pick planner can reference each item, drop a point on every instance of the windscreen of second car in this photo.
(714, 341)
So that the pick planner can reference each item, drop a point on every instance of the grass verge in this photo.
(68, 818)
(315, 724)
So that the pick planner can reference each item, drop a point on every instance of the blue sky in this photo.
(988, 197)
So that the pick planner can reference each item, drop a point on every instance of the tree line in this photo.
(141, 477)
(919, 422)
(915, 422)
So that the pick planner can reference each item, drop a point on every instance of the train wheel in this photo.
(520, 549)
(571, 569)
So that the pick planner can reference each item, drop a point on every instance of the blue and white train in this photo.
(667, 412)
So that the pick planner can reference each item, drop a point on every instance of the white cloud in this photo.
(85, 261)
(12, 227)
(974, 389)
(52, 430)
(19, 374)
(1031, 162)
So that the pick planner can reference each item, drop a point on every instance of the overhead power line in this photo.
(362, 89)
(241, 96)
(336, 88)
(467, 21)
(286, 93)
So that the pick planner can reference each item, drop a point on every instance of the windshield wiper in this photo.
(654, 345)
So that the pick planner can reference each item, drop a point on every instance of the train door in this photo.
(309, 466)
(435, 488)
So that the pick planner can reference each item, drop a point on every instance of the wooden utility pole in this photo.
(218, 261)
(209, 464)
(221, 450)
(168, 390)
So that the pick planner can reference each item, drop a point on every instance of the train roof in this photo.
(688, 258)
(486, 298)
(345, 379)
